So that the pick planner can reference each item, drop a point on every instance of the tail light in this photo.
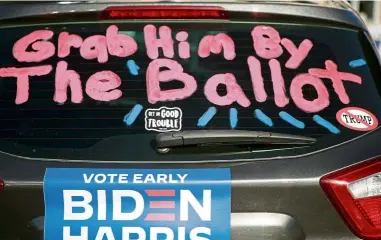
(164, 12)
(356, 194)
(1, 185)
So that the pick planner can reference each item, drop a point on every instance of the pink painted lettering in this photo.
(42, 49)
(257, 79)
(22, 75)
(120, 45)
(297, 54)
(66, 41)
(64, 79)
(337, 79)
(234, 91)
(216, 44)
(281, 99)
(296, 92)
(95, 47)
(154, 76)
(153, 43)
(102, 86)
(266, 42)
(184, 47)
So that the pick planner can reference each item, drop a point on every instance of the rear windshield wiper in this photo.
(228, 137)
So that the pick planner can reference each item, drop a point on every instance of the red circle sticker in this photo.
(357, 119)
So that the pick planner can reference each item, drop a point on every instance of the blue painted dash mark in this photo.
(321, 121)
(357, 63)
(291, 120)
(206, 117)
(130, 117)
(233, 116)
(263, 118)
(132, 67)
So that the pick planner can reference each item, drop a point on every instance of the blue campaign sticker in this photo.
(137, 204)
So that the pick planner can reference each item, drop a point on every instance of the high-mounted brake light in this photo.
(164, 12)
(356, 194)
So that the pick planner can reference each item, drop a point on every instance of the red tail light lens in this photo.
(164, 12)
(1, 185)
(356, 193)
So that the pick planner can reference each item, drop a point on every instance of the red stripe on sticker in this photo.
(160, 193)
(358, 119)
(160, 217)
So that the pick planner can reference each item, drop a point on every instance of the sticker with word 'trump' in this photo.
(357, 119)
(125, 204)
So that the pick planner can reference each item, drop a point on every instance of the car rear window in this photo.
(76, 86)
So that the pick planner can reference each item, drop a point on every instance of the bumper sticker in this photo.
(163, 119)
(137, 204)
(357, 119)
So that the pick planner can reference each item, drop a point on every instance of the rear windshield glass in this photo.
(81, 86)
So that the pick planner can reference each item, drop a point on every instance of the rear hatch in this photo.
(95, 90)
(61, 99)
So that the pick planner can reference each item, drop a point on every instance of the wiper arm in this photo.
(230, 137)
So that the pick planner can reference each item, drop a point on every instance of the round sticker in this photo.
(357, 119)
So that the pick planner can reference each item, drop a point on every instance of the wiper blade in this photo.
(230, 137)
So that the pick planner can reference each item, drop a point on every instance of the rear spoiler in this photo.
(33, 12)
